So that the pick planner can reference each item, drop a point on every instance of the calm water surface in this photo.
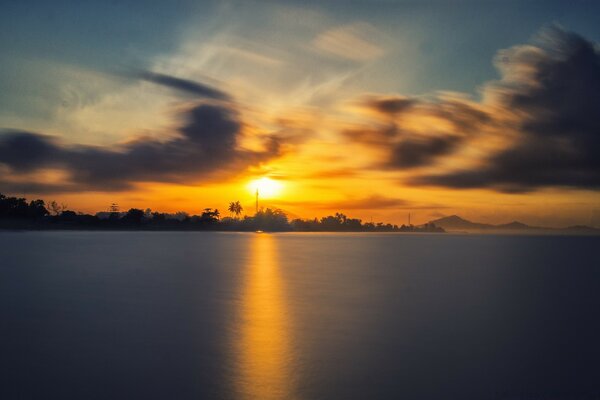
(179, 315)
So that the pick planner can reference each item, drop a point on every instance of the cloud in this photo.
(207, 143)
(354, 42)
(365, 203)
(371, 202)
(418, 132)
(332, 173)
(184, 85)
(553, 89)
(546, 106)
(38, 187)
(390, 104)
(421, 151)
(25, 151)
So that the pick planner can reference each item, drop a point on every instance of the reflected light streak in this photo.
(263, 370)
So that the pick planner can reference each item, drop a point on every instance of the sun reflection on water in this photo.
(263, 369)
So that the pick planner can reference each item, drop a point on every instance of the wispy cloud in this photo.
(357, 42)
(372, 202)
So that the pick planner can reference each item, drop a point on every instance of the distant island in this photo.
(454, 223)
(18, 213)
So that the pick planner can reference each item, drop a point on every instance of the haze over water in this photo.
(157, 315)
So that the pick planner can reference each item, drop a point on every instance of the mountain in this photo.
(516, 225)
(458, 224)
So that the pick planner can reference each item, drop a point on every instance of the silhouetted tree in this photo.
(114, 212)
(22, 214)
(332, 222)
(55, 208)
(68, 216)
(17, 208)
(210, 216)
(158, 217)
(235, 208)
(133, 216)
(269, 220)
(37, 209)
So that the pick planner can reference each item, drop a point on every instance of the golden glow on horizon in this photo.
(317, 123)
(267, 187)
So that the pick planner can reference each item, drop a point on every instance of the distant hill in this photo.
(516, 225)
(454, 223)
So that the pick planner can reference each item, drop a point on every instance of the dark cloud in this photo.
(443, 125)
(391, 104)
(39, 188)
(547, 102)
(553, 91)
(184, 85)
(531, 164)
(25, 151)
(207, 143)
(420, 151)
(383, 135)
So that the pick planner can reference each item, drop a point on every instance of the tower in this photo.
(256, 200)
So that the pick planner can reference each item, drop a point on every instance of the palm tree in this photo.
(238, 209)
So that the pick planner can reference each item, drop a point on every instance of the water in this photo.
(180, 315)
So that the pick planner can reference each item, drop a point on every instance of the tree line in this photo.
(18, 213)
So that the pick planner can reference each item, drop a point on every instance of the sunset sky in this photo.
(489, 110)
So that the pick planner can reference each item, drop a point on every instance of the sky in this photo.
(378, 109)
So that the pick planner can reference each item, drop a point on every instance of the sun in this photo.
(266, 187)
